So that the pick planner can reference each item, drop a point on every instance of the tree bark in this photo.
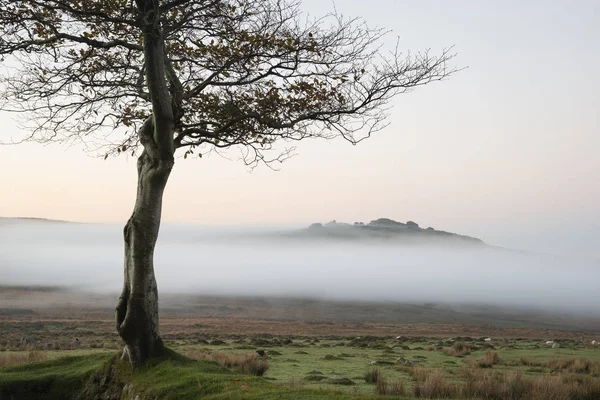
(137, 310)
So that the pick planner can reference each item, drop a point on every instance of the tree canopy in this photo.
(239, 72)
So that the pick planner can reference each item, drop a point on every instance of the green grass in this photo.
(184, 379)
(53, 379)
(295, 363)
(181, 378)
(173, 378)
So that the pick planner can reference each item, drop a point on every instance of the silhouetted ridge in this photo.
(383, 228)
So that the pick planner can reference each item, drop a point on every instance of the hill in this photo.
(386, 229)
(382, 228)
(14, 220)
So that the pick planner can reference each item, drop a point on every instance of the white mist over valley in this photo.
(301, 262)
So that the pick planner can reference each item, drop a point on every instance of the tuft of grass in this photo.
(529, 363)
(576, 366)
(458, 349)
(389, 388)
(8, 359)
(491, 358)
(486, 385)
(419, 374)
(510, 385)
(435, 386)
(247, 364)
(559, 364)
(372, 375)
(564, 387)
(461, 346)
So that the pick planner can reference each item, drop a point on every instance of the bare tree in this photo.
(194, 76)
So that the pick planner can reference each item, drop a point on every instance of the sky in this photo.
(506, 150)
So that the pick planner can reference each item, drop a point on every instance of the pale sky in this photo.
(506, 150)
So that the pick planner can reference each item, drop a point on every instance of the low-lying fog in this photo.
(259, 262)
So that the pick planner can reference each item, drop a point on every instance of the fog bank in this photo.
(260, 262)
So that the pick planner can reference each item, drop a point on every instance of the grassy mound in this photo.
(55, 379)
(171, 378)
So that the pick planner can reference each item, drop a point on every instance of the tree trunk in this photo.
(137, 310)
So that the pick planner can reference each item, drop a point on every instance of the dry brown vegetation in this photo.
(458, 349)
(389, 388)
(247, 364)
(372, 375)
(528, 362)
(8, 359)
(482, 384)
(418, 373)
(576, 366)
(508, 385)
(383, 386)
(573, 365)
(433, 385)
(491, 358)
(93, 319)
(56, 342)
(575, 379)
(564, 387)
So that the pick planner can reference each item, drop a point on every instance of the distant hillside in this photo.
(10, 220)
(383, 228)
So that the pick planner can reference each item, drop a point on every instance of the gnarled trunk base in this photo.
(137, 324)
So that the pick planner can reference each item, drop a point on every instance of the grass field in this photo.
(307, 363)
(327, 358)
(314, 368)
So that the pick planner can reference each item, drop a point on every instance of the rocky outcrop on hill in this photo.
(384, 228)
